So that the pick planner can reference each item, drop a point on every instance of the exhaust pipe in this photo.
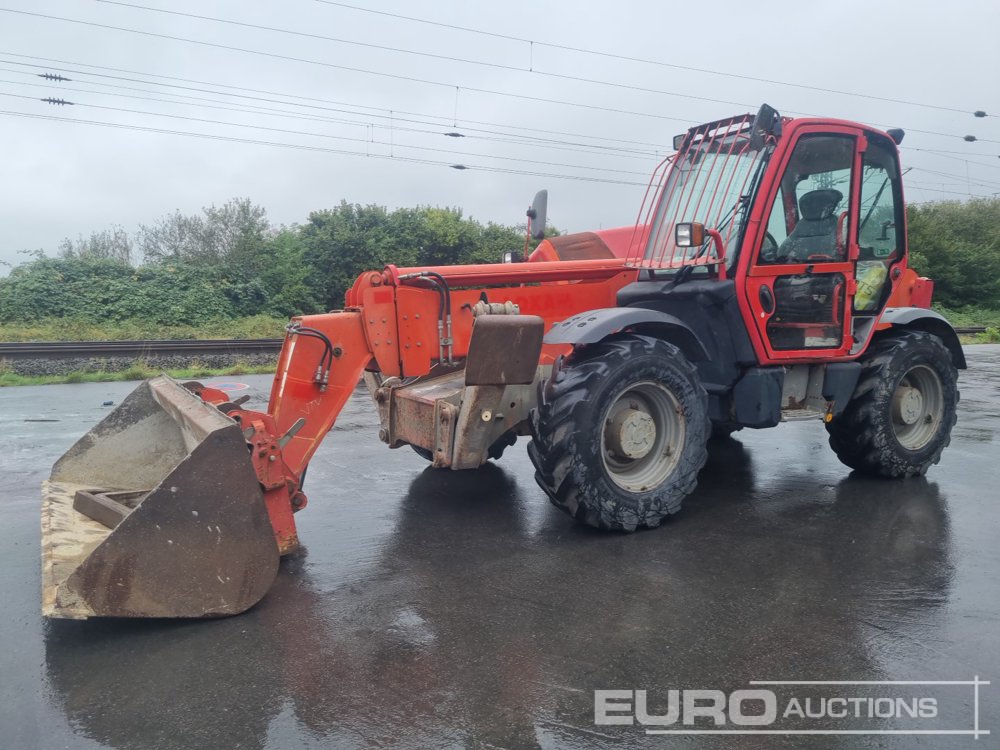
(156, 512)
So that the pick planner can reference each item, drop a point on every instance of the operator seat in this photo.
(816, 232)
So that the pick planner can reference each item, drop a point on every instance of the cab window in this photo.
(818, 178)
(877, 235)
(879, 242)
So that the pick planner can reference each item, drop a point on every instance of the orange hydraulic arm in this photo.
(399, 322)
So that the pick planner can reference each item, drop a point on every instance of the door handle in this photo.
(766, 299)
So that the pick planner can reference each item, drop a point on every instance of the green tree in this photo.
(344, 241)
(231, 236)
(228, 262)
(107, 244)
(958, 245)
(291, 281)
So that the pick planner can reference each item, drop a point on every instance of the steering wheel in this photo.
(769, 248)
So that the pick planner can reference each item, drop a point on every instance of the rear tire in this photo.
(620, 433)
(900, 416)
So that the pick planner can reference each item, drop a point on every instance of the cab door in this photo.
(801, 276)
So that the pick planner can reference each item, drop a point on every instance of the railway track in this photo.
(150, 347)
(146, 348)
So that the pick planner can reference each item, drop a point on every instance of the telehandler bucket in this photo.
(156, 512)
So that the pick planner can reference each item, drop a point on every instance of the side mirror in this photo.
(537, 215)
(512, 256)
(689, 235)
(767, 122)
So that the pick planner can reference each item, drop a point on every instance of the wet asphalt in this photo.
(453, 610)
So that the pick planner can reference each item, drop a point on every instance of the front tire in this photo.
(620, 433)
(900, 417)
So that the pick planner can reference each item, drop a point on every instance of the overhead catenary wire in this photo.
(659, 150)
(519, 140)
(323, 63)
(531, 68)
(524, 140)
(403, 50)
(964, 179)
(334, 137)
(645, 61)
(971, 162)
(322, 149)
(414, 79)
(957, 177)
(393, 126)
(202, 103)
(450, 118)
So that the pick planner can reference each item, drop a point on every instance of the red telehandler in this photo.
(765, 280)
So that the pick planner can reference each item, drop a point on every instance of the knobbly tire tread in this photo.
(862, 435)
(568, 466)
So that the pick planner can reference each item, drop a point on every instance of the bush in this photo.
(992, 336)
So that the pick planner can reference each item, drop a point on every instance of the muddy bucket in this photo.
(156, 512)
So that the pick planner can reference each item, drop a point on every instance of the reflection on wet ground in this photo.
(438, 609)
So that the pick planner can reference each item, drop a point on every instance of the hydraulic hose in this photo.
(440, 284)
(322, 376)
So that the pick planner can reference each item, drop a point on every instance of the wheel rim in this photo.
(642, 437)
(917, 407)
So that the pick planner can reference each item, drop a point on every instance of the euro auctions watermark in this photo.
(801, 707)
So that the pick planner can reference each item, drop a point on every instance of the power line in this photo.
(322, 149)
(292, 58)
(960, 178)
(391, 156)
(433, 55)
(196, 101)
(284, 113)
(393, 115)
(628, 58)
(949, 192)
(531, 69)
(954, 158)
(660, 149)
(359, 140)
(965, 154)
(422, 80)
(964, 179)
(325, 135)
(293, 104)
(391, 126)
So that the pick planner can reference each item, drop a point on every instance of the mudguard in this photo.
(922, 319)
(595, 325)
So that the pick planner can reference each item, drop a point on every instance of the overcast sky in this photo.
(67, 178)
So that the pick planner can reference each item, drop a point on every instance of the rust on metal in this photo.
(504, 349)
(107, 507)
(199, 544)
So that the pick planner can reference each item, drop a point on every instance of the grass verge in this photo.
(968, 317)
(138, 371)
(67, 329)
